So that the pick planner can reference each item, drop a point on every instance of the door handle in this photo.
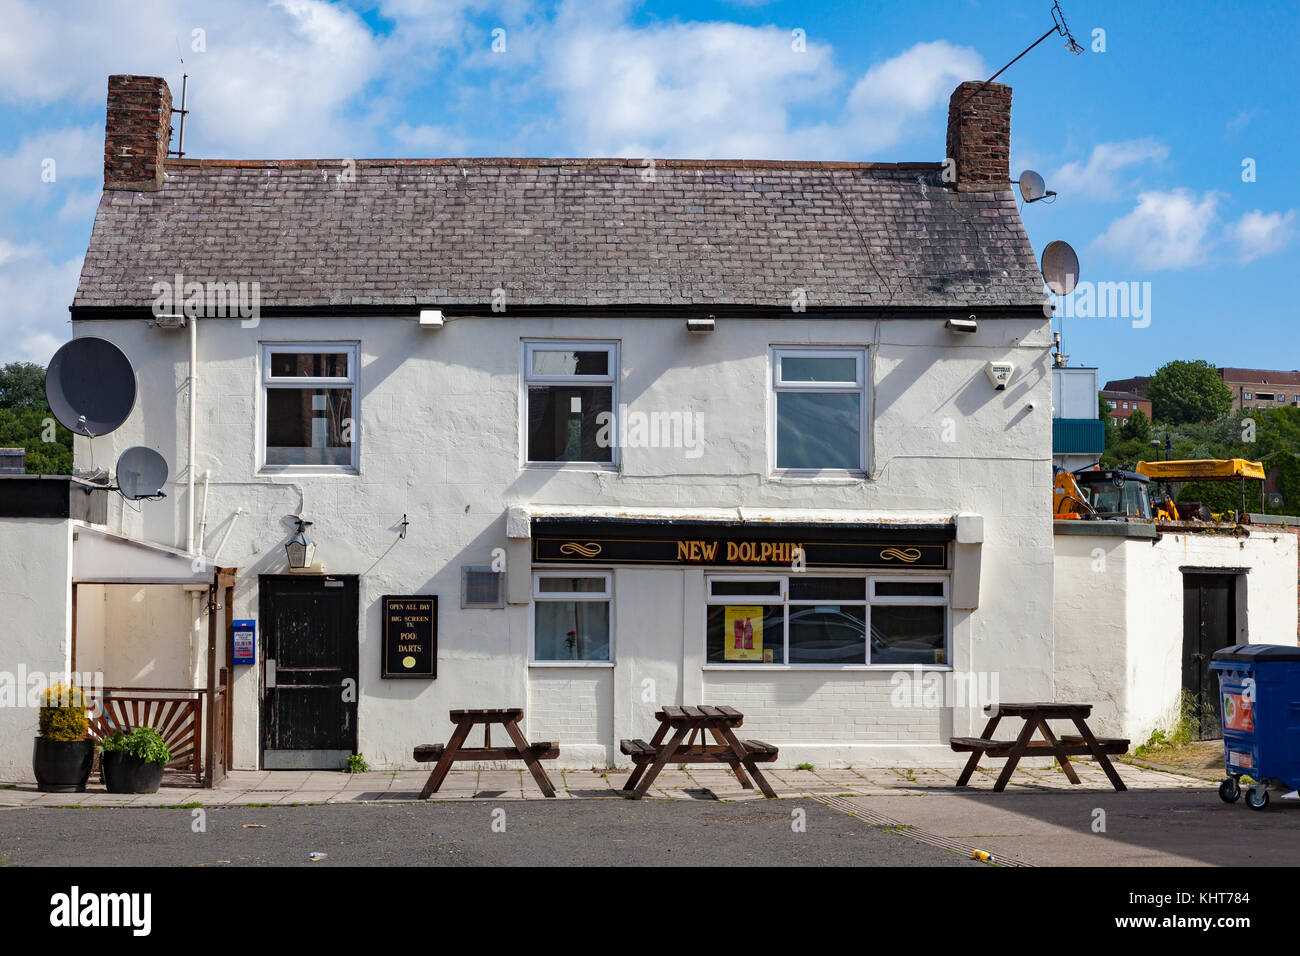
(270, 672)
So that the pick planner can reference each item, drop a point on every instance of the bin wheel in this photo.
(1230, 790)
(1257, 797)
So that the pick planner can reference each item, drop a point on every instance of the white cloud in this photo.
(892, 95)
(1166, 230)
(70, 153)
(1098, 178)
(1259, 234)
(36, 293)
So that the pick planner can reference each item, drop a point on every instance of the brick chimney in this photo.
(979, 135)
(138, 132)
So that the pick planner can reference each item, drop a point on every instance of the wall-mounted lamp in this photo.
(701, 326)
(402, 536)
(300, 548)
(431, 318)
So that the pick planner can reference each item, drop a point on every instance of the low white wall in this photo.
(35, 627)
(1118, 615)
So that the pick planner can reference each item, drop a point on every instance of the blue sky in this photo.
(1144, 142)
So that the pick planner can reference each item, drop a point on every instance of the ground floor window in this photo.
(571, 617)
(826, 620)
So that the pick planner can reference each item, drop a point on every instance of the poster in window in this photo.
(742, 635)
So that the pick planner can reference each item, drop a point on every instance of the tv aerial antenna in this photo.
(1059, 27)
(179, 151)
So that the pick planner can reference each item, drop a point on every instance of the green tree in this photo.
(1104, 408)
(22, 385)
(26, 421)
(1136, 428)
(1183, 392)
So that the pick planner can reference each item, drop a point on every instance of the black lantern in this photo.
(300, 548)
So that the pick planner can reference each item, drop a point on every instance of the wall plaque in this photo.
(410, 643)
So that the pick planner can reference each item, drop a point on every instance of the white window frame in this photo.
(786, 602)
(538, 595)
(526, 378)
(778, 385)
(268, 381)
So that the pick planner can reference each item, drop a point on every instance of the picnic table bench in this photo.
(718, 722)
(1036, 716)
(455, 751)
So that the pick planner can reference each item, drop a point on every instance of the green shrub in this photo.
(142, 742)
(357, 764)
(63, 713)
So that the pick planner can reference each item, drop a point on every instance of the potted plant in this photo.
(133, 762)
(63, 754)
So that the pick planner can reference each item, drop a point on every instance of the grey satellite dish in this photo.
(90, 386)
(1060, 267)
(1032, 187)
(141, 473)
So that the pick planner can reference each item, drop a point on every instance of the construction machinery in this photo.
(1114, 494)
(1100, 493)
(1198, 469)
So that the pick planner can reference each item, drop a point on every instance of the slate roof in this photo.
(1260, 376)
(586, 233)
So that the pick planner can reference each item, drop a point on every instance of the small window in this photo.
(571, 618)
(826, 621)
(909, 621)
(570, 402)
(1248, 396)
(819, 410)
(480, 586)
(309, 406)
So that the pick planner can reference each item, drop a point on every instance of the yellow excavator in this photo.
(1115, 494)
(1198, 469)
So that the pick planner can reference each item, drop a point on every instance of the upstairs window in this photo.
(309, 406)
(819, 410)
(570, 402)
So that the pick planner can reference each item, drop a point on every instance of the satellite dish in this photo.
(1060, 267)
(1032, 187)
(90, 386)
(141, 473)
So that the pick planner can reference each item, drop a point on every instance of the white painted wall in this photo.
(1119, 622)
(35, 627)
(439, 432)
(138, 635)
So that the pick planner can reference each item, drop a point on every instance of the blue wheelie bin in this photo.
(1259, 698)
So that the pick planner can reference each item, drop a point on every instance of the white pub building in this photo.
(581, 436)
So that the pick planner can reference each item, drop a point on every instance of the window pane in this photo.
(844, 589)
(762, 588)
(909, 589)
(908, 634)
(818, 430)
(570, 585)
(828, 634)
(571, 630)
(745, 634)
(305, 426)
(818, 369)
(568, 362)
(310, 364)
(563, 424)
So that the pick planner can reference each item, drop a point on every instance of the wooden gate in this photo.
(176, 713)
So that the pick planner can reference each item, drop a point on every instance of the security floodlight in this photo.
(431, 318)
(962, 326)
(701, 326)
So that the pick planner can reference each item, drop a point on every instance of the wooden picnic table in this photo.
(719, 723)
(1036, 716)
(454, 751)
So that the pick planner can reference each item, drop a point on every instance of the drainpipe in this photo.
(189, 474)
(203, 517)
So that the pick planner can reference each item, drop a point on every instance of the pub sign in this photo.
(410, 635)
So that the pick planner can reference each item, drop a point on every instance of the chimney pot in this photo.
(979, 135)
(137, 132)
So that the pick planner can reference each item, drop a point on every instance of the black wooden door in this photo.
(309, 640)
(1209, 623)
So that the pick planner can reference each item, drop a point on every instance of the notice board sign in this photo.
(410, 643)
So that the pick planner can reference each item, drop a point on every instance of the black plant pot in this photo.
(124, 773)
(62, 766)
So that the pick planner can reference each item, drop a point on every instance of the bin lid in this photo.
(1258, 652)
